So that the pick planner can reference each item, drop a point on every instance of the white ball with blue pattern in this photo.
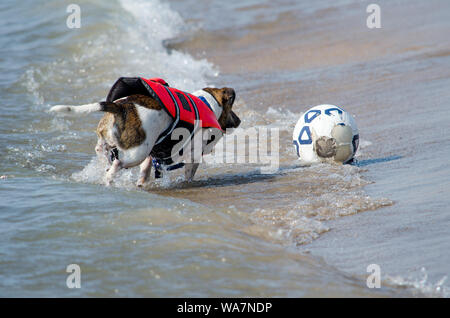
(326, 133)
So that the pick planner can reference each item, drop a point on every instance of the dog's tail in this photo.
(86, 109)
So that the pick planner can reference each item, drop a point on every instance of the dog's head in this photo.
(225, 98)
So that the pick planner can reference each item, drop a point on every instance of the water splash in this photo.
(419, 284)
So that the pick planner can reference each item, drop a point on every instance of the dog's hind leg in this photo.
(115, 167)
(102, 150)
(129, 159)
(118, 164)
(146, 168)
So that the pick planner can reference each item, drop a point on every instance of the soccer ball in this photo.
(326, 133)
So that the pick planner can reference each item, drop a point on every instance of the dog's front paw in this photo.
(116, 165)
(189, 179)
(140, 183)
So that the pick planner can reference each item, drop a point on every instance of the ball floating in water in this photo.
(326, 133)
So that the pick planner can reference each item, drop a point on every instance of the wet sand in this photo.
(395, 81)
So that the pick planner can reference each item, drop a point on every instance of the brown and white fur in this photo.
(132, 124)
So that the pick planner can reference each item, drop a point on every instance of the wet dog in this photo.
(134, 125)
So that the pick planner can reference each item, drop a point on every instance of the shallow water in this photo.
(234, 231)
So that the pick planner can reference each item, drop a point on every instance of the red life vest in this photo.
(181, 105)
(178, 104)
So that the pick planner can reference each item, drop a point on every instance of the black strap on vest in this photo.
(160, 167)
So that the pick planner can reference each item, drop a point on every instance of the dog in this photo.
(142, 116)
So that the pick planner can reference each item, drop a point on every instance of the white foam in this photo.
(155, 22)
(155, 18)
(335, 191)
(95, 173)
(420, 284)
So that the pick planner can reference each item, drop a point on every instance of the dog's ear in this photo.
(224, 96)
(231, 119)
(228, 97)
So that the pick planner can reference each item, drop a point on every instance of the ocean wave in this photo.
(108, 47)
